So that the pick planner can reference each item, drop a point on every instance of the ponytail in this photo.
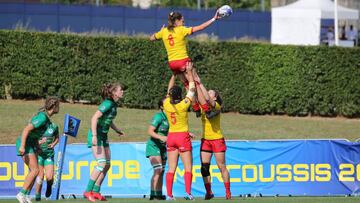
(50, 103)
(173, 16)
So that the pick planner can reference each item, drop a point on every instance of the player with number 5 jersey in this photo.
(179, 139)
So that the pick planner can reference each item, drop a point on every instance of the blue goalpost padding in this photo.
(71, 127)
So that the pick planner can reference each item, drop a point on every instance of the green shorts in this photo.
(29, 146)
(102, 139)
(153, 149)
(45, 159)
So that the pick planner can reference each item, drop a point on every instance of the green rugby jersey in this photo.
(109, 110)
(161, 125)
(40, 122)
(51, 132)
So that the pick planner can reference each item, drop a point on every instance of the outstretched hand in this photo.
(120, 133)
(189, 66)
(217, 16)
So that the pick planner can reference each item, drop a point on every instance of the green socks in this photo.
(90, 185)
(23, 191)
(96, 188)
(158, 193)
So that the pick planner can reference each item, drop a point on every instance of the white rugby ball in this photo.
(225, 11)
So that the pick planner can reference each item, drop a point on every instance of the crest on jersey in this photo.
(51, 131)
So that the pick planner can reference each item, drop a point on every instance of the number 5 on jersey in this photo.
(173, 118)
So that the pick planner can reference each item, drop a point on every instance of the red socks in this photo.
(208, 188)
(227, 187)
(169, 183)
(205, 107)
(188, 181)
(196, 107)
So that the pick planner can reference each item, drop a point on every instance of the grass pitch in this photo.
(15, 114)
(221, 200)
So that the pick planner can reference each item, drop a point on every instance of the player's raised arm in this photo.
(171, 84)
(206, 24)
(192, 89)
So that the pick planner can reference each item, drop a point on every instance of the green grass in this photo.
(221, 200)
(15, 114)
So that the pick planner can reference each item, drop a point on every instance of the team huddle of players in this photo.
(169, 129)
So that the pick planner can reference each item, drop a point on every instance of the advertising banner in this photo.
(285, 167)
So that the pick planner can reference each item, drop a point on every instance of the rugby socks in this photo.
(37, 196)
(158, 193)
(96, 188)
(227, 187)
(205, 107)
(90, 185)
(208, 188)
(23, 191)
(169, 183)
(188, 181)
(196, 107)
(186, 85)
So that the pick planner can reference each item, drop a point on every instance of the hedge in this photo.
(253, 78)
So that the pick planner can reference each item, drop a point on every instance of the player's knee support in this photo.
(99, 168)
(100, 164)
(158, 168)
(205, 169)
(39, 181)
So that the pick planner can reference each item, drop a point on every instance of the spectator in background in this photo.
(330, 35)
(343, 33)
(351, 34)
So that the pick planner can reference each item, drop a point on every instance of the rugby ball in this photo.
(225, 11)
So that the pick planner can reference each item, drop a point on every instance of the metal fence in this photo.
(128, 20)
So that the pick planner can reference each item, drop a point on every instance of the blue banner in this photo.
(298, 167)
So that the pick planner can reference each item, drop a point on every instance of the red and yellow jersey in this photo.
(211, 128)
(175, 42)
(177, 115)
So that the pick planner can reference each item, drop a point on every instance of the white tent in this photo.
(299, 23)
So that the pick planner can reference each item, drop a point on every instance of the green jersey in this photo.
(40, 122)
(161, 125)
(50, 134)
(108, 109)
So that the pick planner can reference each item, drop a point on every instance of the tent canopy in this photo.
(318, 8)
(299, 23)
